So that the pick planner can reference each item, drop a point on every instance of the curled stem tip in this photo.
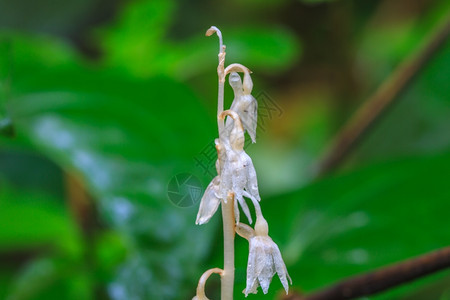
(237, 68)
(201, 283)
(232, 114)
(211, 31)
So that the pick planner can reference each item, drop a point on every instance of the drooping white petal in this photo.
(237, 214)
(281, 269)
(252, 290)
(251, 183)
(252, 277)
(209, 203)
(264, 261)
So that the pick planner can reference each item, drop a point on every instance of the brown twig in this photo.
(383, 278)
(80, 203)
(358, 126)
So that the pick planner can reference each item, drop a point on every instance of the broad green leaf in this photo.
(52, 278)
(135, 41)
(355, 222)
(24, 53)
(56, 17)
(262, 49)
(33, 220)
(126, 139)
(137, 44)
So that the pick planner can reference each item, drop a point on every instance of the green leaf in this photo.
(126, 139)
(137, 45)
(261, 49)
(32, 220)
(135, 41)
(51, 278)
(23, 53)
(355, 222)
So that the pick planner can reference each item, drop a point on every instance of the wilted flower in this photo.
(264, 260)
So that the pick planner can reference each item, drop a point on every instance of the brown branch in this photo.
(360, 124)
(383, 278)
(80, 203)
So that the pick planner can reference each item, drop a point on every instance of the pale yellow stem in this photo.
(221, 74)
(228, 240)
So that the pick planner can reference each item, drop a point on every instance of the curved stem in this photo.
(203, 279)
(248, 84)
(258, 210)
(228, 245)
(221, 75)
(211, 31)
(237, 68)
(232, 114)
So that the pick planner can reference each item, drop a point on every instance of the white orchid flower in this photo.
(244, 104)
(238, 173)
(264, 259)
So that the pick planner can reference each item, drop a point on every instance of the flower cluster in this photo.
(236, 176)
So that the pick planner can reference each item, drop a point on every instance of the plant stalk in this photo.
(221, 75)
(228, 247)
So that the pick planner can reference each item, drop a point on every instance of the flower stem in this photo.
(221, 75)
(227, 278)
(228, 247)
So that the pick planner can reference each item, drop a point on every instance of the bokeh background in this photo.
(103, 102)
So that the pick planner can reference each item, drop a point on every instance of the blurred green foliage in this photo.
(127, 117)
